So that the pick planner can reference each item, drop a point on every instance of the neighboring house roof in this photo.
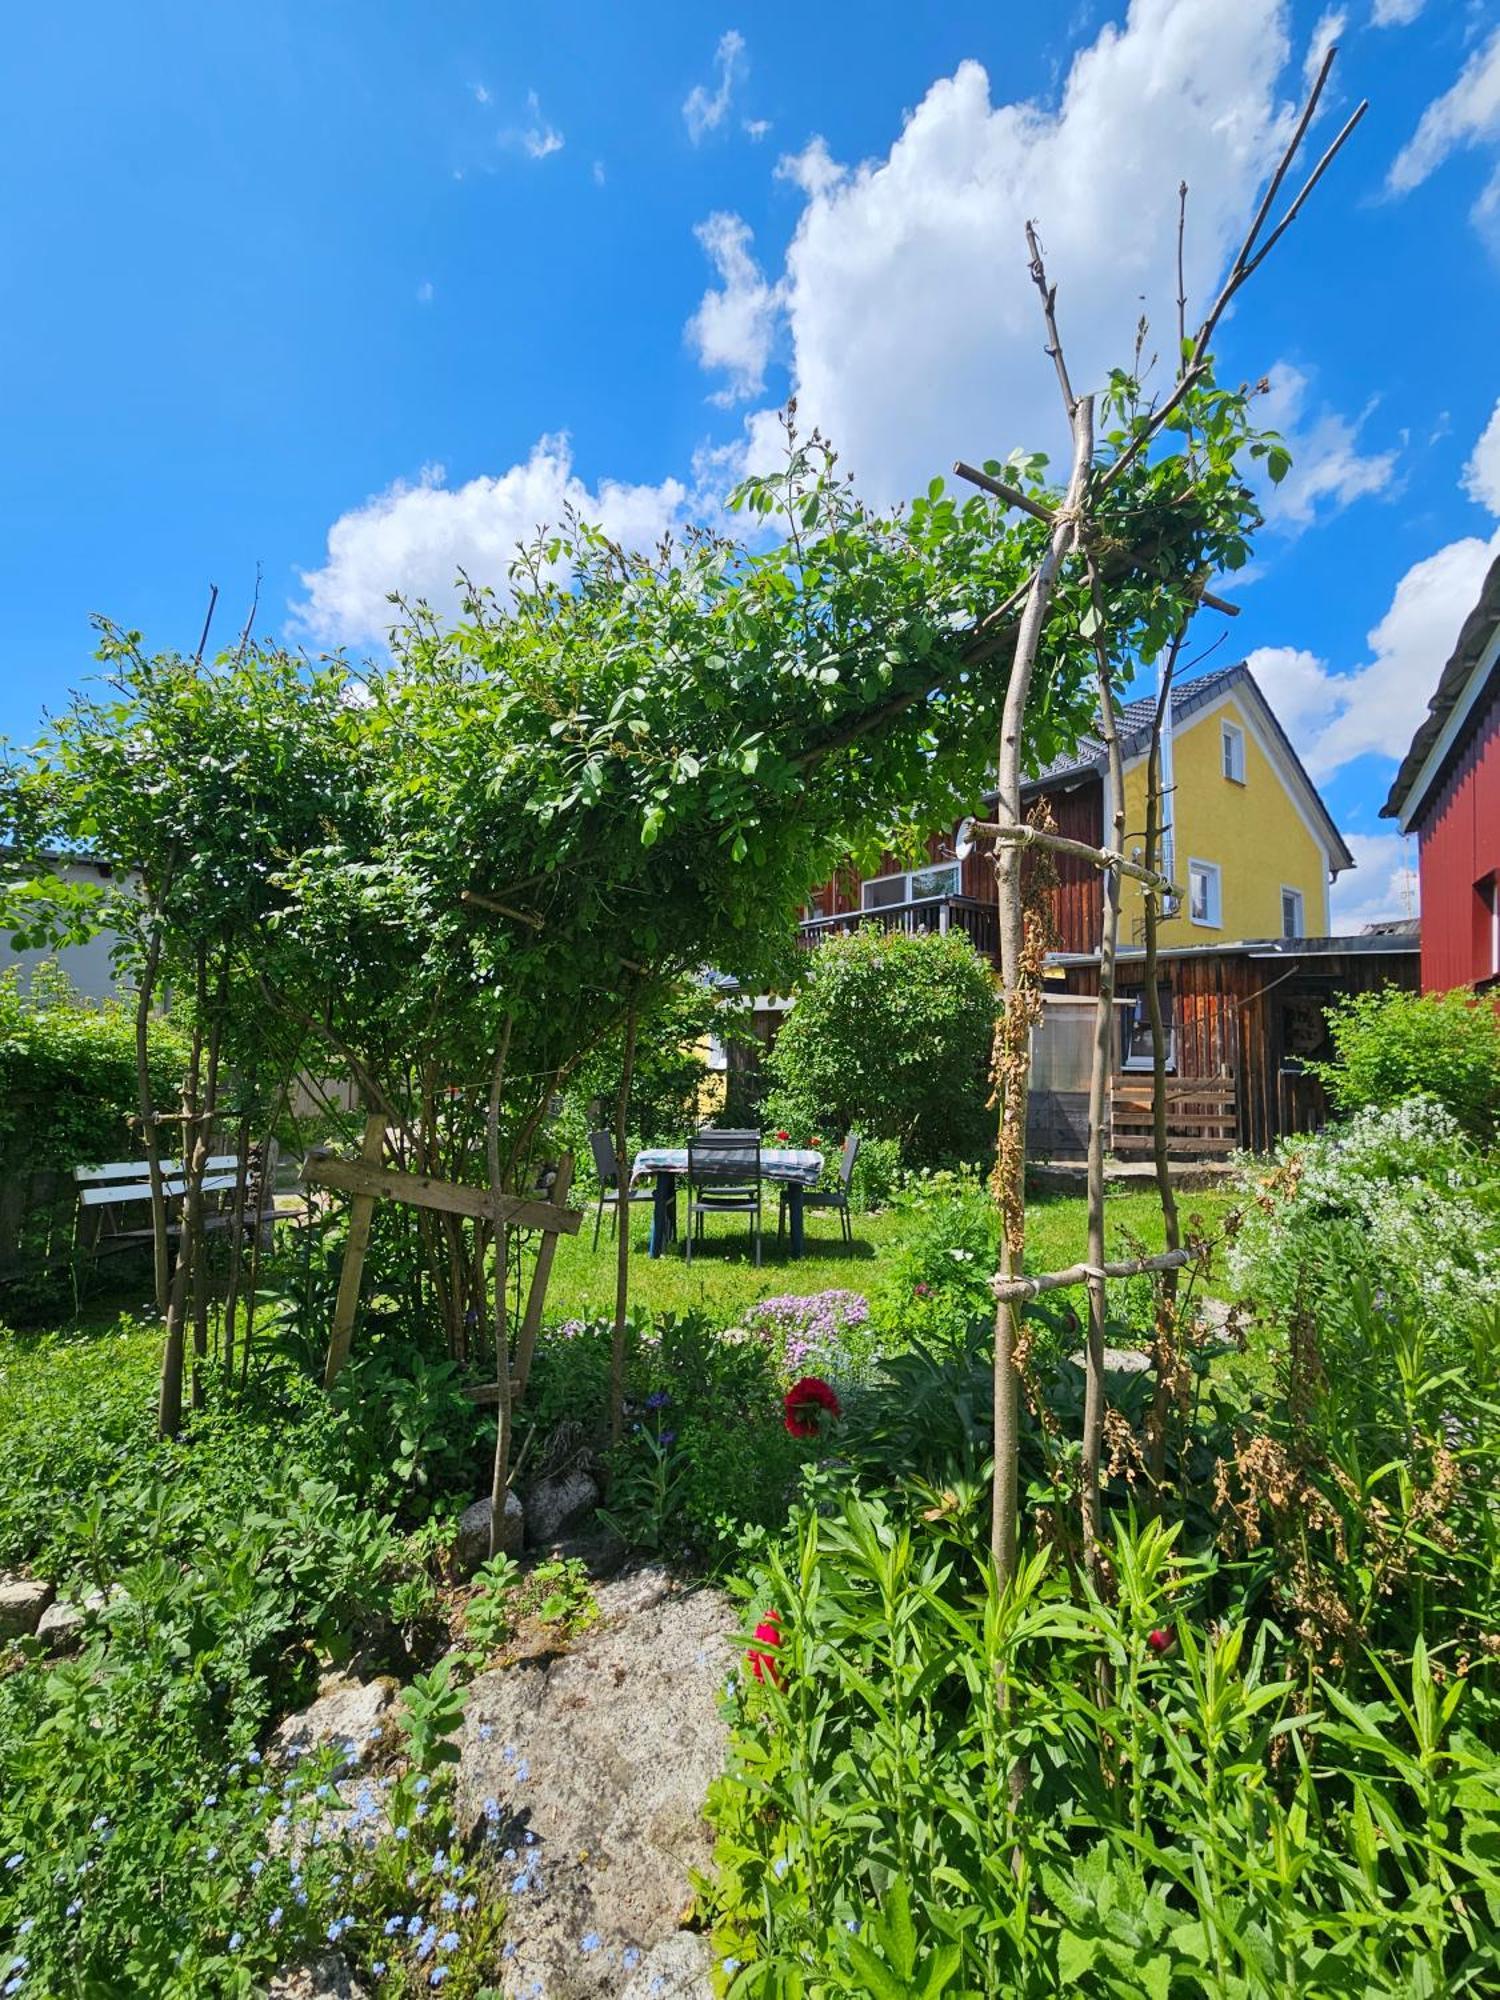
(1134, 723)
(1393, 927)
(1456, 695)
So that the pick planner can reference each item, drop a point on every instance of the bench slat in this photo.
(173, 1188)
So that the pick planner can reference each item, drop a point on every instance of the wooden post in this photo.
(536, 1298)
(622, 1238)
(361, 1215)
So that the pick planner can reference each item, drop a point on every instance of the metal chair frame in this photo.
(607, 1166)
(733, 1181)
(834, 1198)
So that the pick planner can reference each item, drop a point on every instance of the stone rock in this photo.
(325, 1978)
(352, 1714)
(675, 1969)
(597, 1762)
(1117, 1360)
(472, 1545)
(556, 1503)
(23, 1599)
(61, 1624)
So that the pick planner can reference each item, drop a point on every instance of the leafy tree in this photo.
(1392, 1045)
(890, 1034)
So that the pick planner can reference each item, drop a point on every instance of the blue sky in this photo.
(361, 292)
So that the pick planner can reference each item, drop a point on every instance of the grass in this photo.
(723, 1281)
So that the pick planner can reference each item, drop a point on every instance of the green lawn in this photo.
(723, 1281)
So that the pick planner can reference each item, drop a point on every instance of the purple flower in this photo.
(658, 1399)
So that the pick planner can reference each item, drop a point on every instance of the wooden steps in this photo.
(1202, 1117)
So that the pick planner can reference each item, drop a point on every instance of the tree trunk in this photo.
(622, 1237)
(1099, 1078)
(1013, 1036)
(500, 1476)
(1166, 1296)
(237, 1236)
(169, 1398)
(146, 1107)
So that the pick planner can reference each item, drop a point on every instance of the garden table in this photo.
(796, 1167)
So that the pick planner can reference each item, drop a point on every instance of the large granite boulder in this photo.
(585, 1774)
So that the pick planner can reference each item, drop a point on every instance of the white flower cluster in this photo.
(1408, 1181)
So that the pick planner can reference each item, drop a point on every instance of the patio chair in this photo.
(836, 1198)
(723, 1179)
(607, 1167)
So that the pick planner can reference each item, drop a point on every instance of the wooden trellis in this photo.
(368, 1182)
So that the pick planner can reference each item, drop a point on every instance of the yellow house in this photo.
(1249, 841)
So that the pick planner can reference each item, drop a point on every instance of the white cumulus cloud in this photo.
(1328, 31)
(1382, 883)
(415, 537)
(913, 324)
(1395, 13)
(1328, 468)
(735, 325)
(1466, 115)
(1482, 473)
(1334, 717)
(705, 109)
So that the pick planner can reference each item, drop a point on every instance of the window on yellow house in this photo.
(1292, 925)
(1203, 892)
(1232, 740)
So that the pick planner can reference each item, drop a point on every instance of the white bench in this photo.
(109, 1189)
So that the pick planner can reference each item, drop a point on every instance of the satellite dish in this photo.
(963, 840)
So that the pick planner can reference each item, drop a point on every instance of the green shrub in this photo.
(890, 1034)
(68, 1074)
(1392, 1045)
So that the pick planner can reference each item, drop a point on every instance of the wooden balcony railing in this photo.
(933, 913)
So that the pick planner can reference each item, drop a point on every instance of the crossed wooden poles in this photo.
(367, 1181)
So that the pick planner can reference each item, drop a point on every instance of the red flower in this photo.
(804, 1404)
(921, 1290)
(1159, 1640)
(783, 1137)
(763, 1663)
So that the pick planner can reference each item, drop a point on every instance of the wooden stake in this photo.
(361, 1215)
(536, 1298)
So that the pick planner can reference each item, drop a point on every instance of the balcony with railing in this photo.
(968, 914)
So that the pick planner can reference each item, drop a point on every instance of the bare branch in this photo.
(213, 598)
(1102, 857)
(250, 620)
(1011, 495)
(1009, 1289)
(1049, 314)
(481, 902)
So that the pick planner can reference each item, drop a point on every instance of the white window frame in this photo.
(1214, 883)
(905, 876)
(1301, 931)
(1232, 752)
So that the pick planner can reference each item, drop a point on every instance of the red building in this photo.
(1447, 792)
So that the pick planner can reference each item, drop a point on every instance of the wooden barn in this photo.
(1244, 1021)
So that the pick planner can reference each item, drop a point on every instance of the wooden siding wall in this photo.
(1078, 900)
(1078, 905)
(1459, 846)
(1258, 1020)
